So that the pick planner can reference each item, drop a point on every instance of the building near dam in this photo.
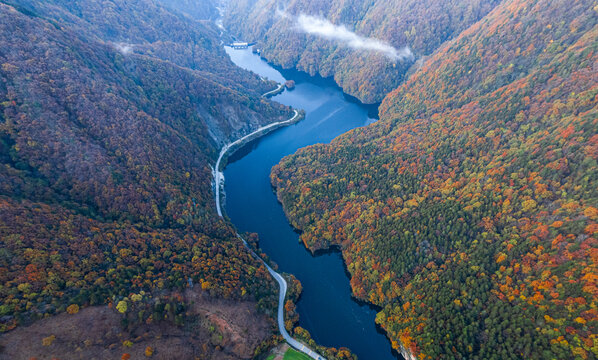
(239, 45)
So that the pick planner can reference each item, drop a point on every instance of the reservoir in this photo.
(326, 308)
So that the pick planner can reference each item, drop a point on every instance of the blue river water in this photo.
(326, 308)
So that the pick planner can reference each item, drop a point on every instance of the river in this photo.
(326, 308)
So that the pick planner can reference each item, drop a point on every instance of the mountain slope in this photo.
(421, 25)
(105, 160)
(199, 10)
(146, 28)
(468, 212)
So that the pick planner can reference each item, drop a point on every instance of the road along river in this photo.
(282, 284)
(326, 308)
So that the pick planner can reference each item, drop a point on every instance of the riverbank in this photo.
(274, 92)
(230, 148)
(402, 351)
(338, 249)
(219, 182)
(326, 308)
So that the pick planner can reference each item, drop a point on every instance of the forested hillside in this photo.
(144, 27)
(469, 211)
(111, 113)
(199, 10)
(420, 25)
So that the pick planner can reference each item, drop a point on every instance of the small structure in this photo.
(239, 45)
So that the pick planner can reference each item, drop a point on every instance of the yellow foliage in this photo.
(205, 285)
(24, 287)
(149, 351)
(125, 252)
(501, 257)
(411, 203)
(47, 341)
(528, 205)
(122, 306)
(72, 309)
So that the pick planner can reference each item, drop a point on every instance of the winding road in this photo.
(219, 176)
(273, 92)
(219, 183)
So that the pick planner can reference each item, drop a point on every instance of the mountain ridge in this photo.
(105, 167)
(369, 76)
(467, 212)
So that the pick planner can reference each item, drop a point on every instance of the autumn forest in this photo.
(467, 214)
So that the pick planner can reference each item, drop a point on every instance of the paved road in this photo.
(219, 182)
(275, 91)
(219, 176)
(294, 343)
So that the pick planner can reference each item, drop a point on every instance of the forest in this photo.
(469, 212)
(111, 114)
(423, 26)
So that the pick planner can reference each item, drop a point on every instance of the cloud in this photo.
(124, 48)
(323, 28)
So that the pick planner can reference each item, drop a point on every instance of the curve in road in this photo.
(219, 176)
(273, 92)
(219, 182)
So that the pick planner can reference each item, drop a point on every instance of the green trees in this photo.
(463, 212)
(105, 178)
(423, 26)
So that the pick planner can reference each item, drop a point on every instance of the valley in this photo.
(423, 186)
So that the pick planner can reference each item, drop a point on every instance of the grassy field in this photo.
(295, 355)
(291, 355)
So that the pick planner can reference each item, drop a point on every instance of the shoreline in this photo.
(274, 92)
(229, 149)
(337, 248)
(235, 145)
(219, 182)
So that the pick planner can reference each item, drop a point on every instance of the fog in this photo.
(123, 48)
(323, 28)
